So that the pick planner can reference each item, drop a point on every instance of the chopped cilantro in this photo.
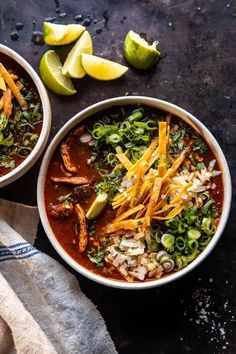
(177, 138)
(110, 184)
(200, 146)
(96, 255)
(65, 199)
(7, 162)
(17, 132)
(200, 165)
(91, 229)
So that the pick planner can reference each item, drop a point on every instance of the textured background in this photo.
(197, 72)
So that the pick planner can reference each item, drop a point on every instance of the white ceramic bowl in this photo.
(38, 149)
(165, 106)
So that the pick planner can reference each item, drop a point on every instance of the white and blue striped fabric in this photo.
(49, 295)
(20, 250)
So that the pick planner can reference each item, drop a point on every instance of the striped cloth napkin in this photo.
(42, 308)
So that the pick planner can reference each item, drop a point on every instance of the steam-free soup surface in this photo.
(95, 158)
(20, 114)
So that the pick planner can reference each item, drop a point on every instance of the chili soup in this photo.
(133, 193)
(20, 114)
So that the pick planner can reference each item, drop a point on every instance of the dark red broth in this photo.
(31, 93)
(63, 228)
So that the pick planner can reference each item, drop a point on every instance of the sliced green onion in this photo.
(208, 226)
(26, 114)
(194, 234)
(206, 206)
(119, 149)
(204, 241)
(140, 125)
(98, 133)
(151, 125)
(167, 263)
(168, 241)
(8, 141)
(111, 159)
(185, 261)
(191, 257)
(178, 262)
(97, 125)
(139, 131)
(160, 254)
(180, 243)
(125, 125)
(129, 135)
(142, 149)
(135, 155)
(145, 138)
(181, 228)
(136, 115)
(114, 138)
(193, 245)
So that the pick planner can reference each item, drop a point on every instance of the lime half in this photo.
(55, 34)
(50, 69)
(72, 66)
(138, 52)
(102, 69)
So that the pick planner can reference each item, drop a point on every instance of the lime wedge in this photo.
(55, 34)
(102, 69)
(139, 53)
(72, 66)
(97, 206)
(50, 69)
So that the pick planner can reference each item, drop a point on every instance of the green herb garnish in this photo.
(131, 134)
(184, 236)
(96, 255)
(17, 133)
(65, 199)
(200, 165)
(110, 184)
(200, 146)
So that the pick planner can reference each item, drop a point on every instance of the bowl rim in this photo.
(156, 103)
(46, 126)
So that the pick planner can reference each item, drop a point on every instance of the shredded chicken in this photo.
(71, 180)
(83, 235)
(63, 170)
(61, 210)
(65, 154)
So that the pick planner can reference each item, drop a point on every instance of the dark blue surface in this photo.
(197, 72)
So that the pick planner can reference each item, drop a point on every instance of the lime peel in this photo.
(102, 69)
(57, 34)
(50, 69)
(73, 66)
(138, 52)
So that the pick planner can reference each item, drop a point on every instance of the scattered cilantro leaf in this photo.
(96, 256)
(65, 199)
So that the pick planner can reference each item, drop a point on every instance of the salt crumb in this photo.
(210, 280)
(208, 319)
